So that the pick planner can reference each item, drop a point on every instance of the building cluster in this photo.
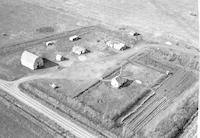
(116, 45)
(34, 61)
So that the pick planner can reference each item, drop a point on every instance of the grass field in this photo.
(23, 21)
(14, 125)
(155, 18)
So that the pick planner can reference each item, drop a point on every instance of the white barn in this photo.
(31, 60)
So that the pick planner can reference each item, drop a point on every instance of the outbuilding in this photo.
(116, 45)
(74, 38)
(119, 46)
(50, 43)
(31, 60)
(109, 43)
(138, 81)
(59, 57)
(79, 50)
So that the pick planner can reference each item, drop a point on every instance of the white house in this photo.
(78, 50)
(74, 38)
(117, 82)
(31, 60)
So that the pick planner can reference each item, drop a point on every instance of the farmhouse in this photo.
(31, 60)
(79, 50)
(117, 82)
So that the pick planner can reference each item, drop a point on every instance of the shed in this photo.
(31, 60)
(59, 57)
(50, 43)
(53, 85)
(119, 46)
(117, 82)
(74, 38)
(138, 81)
(109, 43)
(78, 50)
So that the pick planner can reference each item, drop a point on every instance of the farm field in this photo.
(191, 129)
(169, 124)
(14, 124)
(175, 21)
(22, 21)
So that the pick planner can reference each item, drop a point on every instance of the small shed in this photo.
(59, 57)
(109, 43)
(138, 81)
(50, 43)
(74, 38)
(117, 82)
(79, 50)
(53, 85)
(31, 60)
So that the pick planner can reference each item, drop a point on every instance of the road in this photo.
(12, 89)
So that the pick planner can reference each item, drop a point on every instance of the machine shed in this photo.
(79, 50)
(31, 60)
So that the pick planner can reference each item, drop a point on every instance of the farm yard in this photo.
(115, 100)
(12, 69)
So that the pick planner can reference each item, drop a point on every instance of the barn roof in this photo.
(28, 59)
(28, 56)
